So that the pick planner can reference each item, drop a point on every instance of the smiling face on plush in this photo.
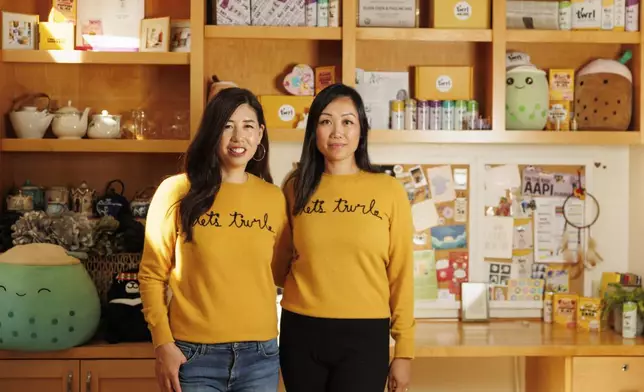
(47, 300)
(526, 99)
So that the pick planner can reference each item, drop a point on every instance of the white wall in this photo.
(610, 186)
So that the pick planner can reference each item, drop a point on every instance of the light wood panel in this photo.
(274, 32)
(86, 57)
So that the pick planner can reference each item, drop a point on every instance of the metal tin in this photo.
(410, 114)
(547, 307)
(435, 115)
(447, 116)
(397, 115)
(460, 115)
(472, 114)
(422, 115)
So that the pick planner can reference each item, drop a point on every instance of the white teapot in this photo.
(27, 121)
(70, 123)
(105, 126)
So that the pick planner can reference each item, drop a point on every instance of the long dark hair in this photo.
(202, 165)
(306, 177)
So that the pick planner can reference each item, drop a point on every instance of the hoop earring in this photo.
(263, 153)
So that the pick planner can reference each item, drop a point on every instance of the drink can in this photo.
(410, 114)
(422, 115)
(472, 114)
(460, 115)
(397, 115)
(447, 114)
(435, 115)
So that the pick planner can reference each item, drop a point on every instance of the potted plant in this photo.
(616, 296)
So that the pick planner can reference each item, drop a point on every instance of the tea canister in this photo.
(112, 203)
(141, 202)
(57, 194)
(83, 199)
(37, 194)
(20, 202)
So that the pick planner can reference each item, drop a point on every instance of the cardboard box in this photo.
(589, 314)
(565, 309)
(278, 13)
(461, 14)
(284, 111)
(55, 36)
(231, 12)
(444, 83)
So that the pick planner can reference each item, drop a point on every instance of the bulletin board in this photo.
(529, 201)
(439, 198)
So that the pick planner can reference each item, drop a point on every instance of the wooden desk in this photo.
(556, 359)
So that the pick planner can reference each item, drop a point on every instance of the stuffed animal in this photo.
(47, 299)
(526, 97)
(124, 320)
(604, 95)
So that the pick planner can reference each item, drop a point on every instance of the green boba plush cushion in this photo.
(47, 300)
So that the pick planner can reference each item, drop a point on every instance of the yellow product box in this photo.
(55, 36)
(564, 311)
(63, 11)
(589, 314)
(284, 111)
(461, 14)
(562, 84)
(444, 83)
(561, 111)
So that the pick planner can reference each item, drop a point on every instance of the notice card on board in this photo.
(498, 234)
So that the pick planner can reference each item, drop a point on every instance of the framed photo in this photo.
(19, 31)
(474, 302)
(180, 35)
(155, 35)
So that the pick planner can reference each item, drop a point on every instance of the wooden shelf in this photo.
(480, 137)
(581, 37)
(93, 145)
(422, 34)
(275, 32)
(87, 57)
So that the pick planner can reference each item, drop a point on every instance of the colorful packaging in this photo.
(565, 309)
(547, 307)
(589, 314)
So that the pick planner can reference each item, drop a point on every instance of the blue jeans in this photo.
(230, 367)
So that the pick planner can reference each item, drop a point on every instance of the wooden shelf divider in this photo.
(422, 34)
(88, 57)
(275, 32)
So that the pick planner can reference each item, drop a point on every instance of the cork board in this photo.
(537, 235)
(439, 197)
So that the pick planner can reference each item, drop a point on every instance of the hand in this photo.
(399, 375)
(168, 361)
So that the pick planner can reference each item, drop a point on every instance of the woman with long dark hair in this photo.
(210, 236)
(350, 285)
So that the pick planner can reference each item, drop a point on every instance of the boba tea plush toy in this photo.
(604, 95)
(526, 98)
(47, 299)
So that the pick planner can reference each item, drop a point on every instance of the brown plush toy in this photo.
(604, 96)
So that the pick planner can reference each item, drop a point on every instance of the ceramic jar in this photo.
(37, 195)
(70, 123)
(82, 199)
(105, 126)
(20, 202)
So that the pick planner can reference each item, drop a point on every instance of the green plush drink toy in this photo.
(526, 98)
(47, 299)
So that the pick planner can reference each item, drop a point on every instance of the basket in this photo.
(103, 268)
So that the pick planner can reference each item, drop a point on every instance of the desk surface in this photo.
(433, 339)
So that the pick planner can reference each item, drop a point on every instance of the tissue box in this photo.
(444, 83)
(284, 111)
(461, 14)
(278, 13)
(232, 12)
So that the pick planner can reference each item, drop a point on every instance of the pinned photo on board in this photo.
(418, 176)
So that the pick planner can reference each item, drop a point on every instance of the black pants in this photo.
(333, 355)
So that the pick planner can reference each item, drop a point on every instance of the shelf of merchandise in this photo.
(588, 37)
(88, 57)
(479, 137)
(275, 32)
(422, 34)
(93, 145)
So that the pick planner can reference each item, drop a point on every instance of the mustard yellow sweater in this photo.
(354, 254)
(222, 284)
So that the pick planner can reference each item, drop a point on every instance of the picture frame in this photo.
(19, 31)
(475, 302)
(155, 35)
(180, 34)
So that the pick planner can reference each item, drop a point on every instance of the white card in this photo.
(424, 215)
(498, 234)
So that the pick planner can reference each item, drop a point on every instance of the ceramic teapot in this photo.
(28, 122)
(20, 202)
(37, 194)
(70, 123)
(105, 126)
(112, 203)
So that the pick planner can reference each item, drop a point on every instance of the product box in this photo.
(278, 13)
(284, 111)
(461, 14)
(586, 14)
(565, 309)
(387, 13)
(562, 94)
(63, 11)
(444, 83)
(589, 314)
(231, 12)
(55, 36)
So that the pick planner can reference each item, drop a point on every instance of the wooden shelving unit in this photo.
(86, 57)
(421, 34)
(274, 32)
(580, 37)
(93, 145)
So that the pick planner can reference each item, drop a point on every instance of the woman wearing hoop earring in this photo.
(210, 236)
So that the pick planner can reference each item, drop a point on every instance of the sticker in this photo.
(444, 83)
(418, 176)
(460, 179)
(447, 212)
(463, 10)
(460, 205)
(286, 112)
(420, 238)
